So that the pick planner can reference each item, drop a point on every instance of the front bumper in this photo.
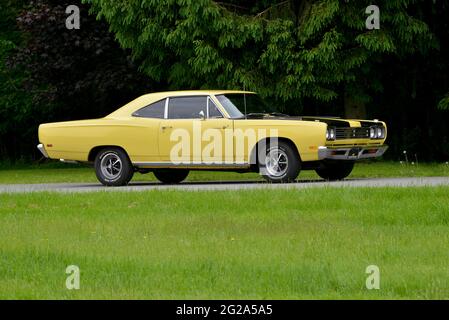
(42, 150)
(351, 153)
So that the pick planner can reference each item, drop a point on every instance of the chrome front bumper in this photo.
(42, 150)
(351, 153)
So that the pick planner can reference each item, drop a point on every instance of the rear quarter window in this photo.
(155, 110)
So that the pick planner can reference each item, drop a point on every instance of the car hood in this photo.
(330, 121)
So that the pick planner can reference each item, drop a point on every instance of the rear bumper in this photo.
(42, 150)
(351, 153)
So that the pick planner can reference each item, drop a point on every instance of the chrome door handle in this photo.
(166, 127)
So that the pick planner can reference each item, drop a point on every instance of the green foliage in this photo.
(444, 103)
(69, 73)
(305, 56)
(15, 104)
(73, 68)
(205, 43)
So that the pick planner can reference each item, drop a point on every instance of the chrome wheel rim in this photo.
(276, 162)
(111, 166)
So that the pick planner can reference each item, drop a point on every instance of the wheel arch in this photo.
(95, 150)
(254, 152)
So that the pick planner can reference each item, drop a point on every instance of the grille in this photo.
(352, 133)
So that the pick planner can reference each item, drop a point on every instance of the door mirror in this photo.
(202, 115)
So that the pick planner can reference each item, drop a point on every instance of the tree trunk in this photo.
(301, 10)
(354, 109)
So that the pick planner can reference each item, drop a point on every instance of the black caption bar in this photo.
(221, 309)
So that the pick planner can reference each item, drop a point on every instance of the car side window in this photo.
(154, 110)
(187, 107)
(213, 111)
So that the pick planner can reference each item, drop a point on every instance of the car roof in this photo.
(149, 98)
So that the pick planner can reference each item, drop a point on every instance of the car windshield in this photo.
(239, 104)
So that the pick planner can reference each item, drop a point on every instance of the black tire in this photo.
(337, 170)
(288, 174)
(171, 176)
(109, 174)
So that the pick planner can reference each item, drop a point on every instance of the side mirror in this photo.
(202, 115)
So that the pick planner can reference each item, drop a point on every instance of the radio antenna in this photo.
(244, 100)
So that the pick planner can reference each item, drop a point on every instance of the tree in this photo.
(286, 50)
(74, 69)
(64, 74)
(309, 56)
(14, 101)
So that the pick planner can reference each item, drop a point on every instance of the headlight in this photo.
(377, 132)
(330, 133)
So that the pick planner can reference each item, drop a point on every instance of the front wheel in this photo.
(113, 167)
(337, 170)
(171, 176)
(281, 163)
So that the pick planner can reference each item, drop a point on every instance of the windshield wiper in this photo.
(265, 114)
(279, 114)
(255, 115)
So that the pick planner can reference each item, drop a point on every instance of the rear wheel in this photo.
(113, 167)
(337, 170)
(281, 163)
(171, 176)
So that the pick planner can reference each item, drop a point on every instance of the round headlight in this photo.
(372, 133)
(379, 133)
(330, 134)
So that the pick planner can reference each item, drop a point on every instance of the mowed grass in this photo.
(267, 244)
(54, 172)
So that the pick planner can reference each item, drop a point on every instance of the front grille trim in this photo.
(352, 133)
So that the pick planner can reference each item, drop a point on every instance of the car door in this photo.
(176, 131)
(190, 135)
(217, 137)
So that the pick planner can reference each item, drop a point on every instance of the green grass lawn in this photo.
(55, 172)
(288, 244)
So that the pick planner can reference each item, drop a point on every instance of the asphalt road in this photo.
(228, 185)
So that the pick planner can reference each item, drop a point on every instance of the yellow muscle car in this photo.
(170, 133)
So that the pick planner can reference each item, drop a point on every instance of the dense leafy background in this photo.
(54, 74)
(307, 57)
